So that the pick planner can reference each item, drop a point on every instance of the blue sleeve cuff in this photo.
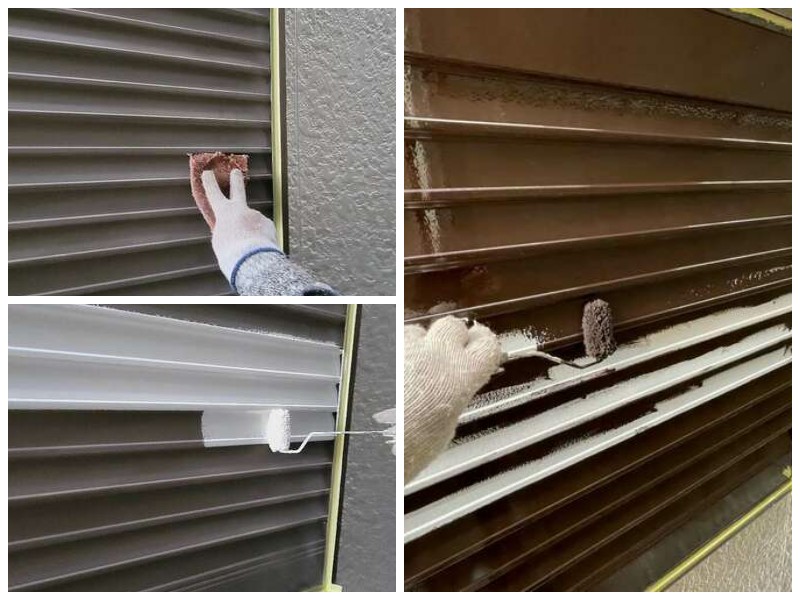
(240, 262)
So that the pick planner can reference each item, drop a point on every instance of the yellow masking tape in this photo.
(765, 15)
(699, 555)
(334, 503)
(276, 124)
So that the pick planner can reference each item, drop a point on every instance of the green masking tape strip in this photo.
(330, 588)
(275, 123)
(765, 15)
(334, 503)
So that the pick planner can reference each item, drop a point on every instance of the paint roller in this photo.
(279, 432)
(598, 337)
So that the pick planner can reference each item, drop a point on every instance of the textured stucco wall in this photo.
(757, 559)
(367, 542)
(340, 113)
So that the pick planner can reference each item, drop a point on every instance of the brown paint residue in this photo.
(222, 164)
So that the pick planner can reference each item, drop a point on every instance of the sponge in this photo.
(222, 164)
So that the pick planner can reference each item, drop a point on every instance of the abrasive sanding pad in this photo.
(222, 164)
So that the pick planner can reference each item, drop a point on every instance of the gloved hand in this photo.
(239, 230)
(444, 369)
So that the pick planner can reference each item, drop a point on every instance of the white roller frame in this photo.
(457, 505)
(494, 445)
(88, 357)
(246, 428)
(658, 344)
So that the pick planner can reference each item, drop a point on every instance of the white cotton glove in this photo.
(238, 229)
(444, 369)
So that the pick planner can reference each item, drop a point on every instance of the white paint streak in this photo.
(653, 345)
(434, 230)
(521, 339)
(430, 216)
(495, 444)
(388, 417)
(468, 500)
(756, 276)
(245, 428)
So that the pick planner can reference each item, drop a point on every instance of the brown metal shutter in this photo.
(118, 500)
(104, 105)
(554, 156)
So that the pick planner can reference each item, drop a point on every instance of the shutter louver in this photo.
(104, 105)
(130, 500)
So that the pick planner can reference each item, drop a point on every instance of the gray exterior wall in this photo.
(757, 559)
(340, 113)
(367, 543)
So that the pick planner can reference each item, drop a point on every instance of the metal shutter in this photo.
(552, 156)
(135, 499)
(104, 105)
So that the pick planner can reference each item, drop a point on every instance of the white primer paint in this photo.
(657, 344)
(472, 498)
(430, 216)
(756, 276)
(89, 357)
(99, 331)
(497, 444)
(521, 339)
(388, 417)
(245, 428)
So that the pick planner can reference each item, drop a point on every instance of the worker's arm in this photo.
(247, 250)
(444, 368)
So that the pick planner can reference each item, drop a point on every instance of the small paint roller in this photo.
(598, 337)
(279, 432)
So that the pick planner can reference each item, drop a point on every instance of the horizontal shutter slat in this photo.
(565, 43)
(192, 365)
